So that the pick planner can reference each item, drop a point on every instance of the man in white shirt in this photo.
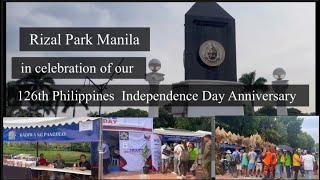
(175, 157)
(308, 162)
(165, 155)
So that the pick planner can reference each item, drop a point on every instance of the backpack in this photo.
(166, 152)
(237, 158)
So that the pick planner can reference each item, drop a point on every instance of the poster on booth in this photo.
(155, 151)
(131, 147)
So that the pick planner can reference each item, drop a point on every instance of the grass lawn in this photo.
(68, 156)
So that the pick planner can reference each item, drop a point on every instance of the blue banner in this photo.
(61, 133)
(172, 138)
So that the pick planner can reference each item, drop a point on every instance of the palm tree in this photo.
(68, 104)
(251, 83)
(32, 82)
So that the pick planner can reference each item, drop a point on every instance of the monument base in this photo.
(201, 111)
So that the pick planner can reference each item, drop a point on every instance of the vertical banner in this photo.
(155, 151)
(132, 145)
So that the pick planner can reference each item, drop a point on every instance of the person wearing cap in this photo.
(228, 159)
(252, 160)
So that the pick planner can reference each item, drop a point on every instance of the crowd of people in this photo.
(184, 156)
(270, 162)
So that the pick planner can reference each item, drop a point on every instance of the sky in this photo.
(311, 126)
(268, 35)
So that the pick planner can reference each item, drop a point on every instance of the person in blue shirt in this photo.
(106, 156)
(237, 159)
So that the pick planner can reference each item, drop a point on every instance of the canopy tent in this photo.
(50, 129)
(172, 134)
(285, 147)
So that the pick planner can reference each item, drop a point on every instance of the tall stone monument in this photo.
(210, 45)
(209, 56)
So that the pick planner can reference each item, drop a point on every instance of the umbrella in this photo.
(285, 147)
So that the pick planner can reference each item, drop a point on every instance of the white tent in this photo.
(176, 132)
(32, 122)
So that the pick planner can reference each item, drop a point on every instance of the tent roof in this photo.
(203, 132)
(176, 132)
(32, 122)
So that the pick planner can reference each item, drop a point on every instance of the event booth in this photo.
(127, 138)
(172, 135)
(45, 129)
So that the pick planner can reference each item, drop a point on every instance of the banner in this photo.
(156, 151)
(61, 133)
(176, 138)
(128, 124)
(132, 144)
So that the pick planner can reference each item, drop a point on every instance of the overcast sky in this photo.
(311, 126)
(269, 35)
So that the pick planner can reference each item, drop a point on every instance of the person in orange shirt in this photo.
(274, 160)
(267, 170)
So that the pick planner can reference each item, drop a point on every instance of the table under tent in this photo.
(46, 129)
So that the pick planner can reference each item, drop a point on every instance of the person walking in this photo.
(308, 163)
(193, 157)
(244, 163)
(237, 161)
(296, 163)
(176, 146)
(106, 157)
(280, 162)
(206, 157)
(252, 160)
(259, 164)
(184, 157)
(165, 156)
(274, 159)
(287, 164)
(267, 168)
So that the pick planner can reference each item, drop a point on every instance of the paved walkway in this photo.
(228, 176)
(151, 175)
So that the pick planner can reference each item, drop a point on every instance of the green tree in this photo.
(266, 111)
(129, 112)
(32, 82)
(272, 111)
(272, 130)
(193, 124)
(251, 83)
(305, 141)
(165, 119)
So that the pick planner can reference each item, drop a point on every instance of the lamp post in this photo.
(279, 74)
(101, 88)
(154, 78)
